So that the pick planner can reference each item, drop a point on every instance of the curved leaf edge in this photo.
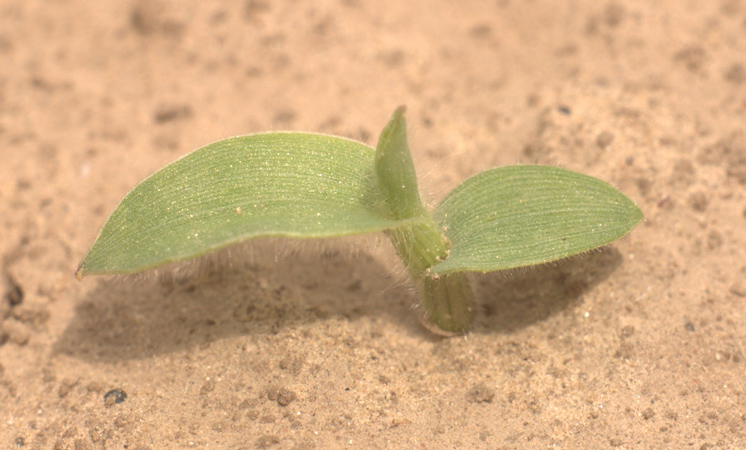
(81, 271)
(444, 268)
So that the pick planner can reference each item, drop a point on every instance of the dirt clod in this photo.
(14, 296)
(481, 393)
(285, 397)
(115, 397)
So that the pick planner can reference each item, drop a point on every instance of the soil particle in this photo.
(122, 421)
(699, 201)
(268, 418)
(683, 174)
(66, 386)
(292, 363)
(354, 286)
(208, 387)
(614, 14)
(282, 396)
(616, 442)
(480, 393)
(14, 296)
(148, 18)
(604, 139)
(267, 441)
(115, 397)
(35, 314)
(736, 74)
(728, 152)
(627, 331)
(714, 240)
(48, 375)
(625, 351)
(170, 113)
(648, 414)
(692, 57)
(738, 288)
(689, 326)
(16, 332)
(285, 397)
(272, 393)
(95, 386)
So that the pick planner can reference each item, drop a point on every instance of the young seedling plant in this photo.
(306, 185)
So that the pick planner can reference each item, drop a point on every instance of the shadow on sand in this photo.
(132, 318)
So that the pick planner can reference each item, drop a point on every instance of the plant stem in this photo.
(448, 299)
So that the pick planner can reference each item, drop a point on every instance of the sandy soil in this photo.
(640, 346)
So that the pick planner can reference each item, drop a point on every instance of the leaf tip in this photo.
(79, 272)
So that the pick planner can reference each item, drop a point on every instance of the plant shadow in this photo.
(178, 308)
(512, 300)
(138, 317)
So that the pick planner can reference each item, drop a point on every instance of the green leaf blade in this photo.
(397, 178)
(285, 184)
(525, 215)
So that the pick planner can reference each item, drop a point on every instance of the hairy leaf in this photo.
(291, 184)
(518, 216)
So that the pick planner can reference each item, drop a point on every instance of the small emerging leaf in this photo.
(397, 178)
(273, 184)
(518, 216)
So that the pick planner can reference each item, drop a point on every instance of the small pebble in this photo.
(285, 397)
(115, 396)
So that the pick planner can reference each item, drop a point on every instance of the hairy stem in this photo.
(448, 300)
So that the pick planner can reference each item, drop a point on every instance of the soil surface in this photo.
(638, 346)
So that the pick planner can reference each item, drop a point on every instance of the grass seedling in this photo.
(304, 185)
